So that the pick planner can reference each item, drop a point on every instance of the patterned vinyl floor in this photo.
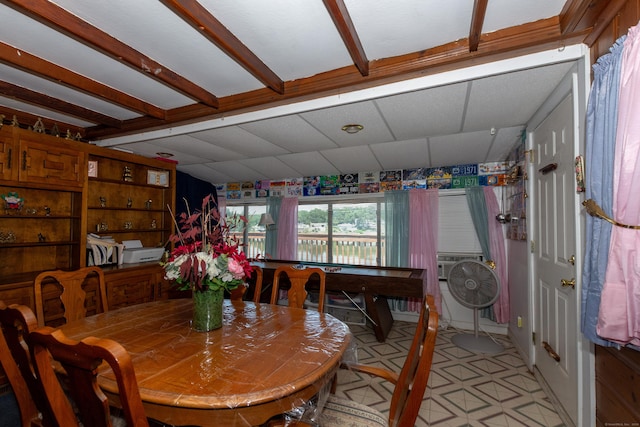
(465, 388)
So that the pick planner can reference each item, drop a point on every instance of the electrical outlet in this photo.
(519, 321)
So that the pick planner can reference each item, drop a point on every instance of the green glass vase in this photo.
(207, 310)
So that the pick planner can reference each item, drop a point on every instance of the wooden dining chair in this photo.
(84, 403)
(298, 279)
(17, 322)
(238, 293)
(408, 393)
(73, 296)
(410, 384)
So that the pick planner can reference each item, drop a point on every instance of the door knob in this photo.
(566, 283)
(572, 260)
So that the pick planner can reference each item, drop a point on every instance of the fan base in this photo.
(477, 344)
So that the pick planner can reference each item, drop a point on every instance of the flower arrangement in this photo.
(206, 255)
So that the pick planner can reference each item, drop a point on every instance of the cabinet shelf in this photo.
(99, 208)
(125, 183)
(34, 244)
(130, 230)
(67, 217)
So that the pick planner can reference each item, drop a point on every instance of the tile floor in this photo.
(465, 388)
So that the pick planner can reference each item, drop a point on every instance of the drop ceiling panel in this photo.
(239, 140)
(352, 159)
(197, 148)
(461, 148)
(205, 173)
(270, 167)
(512, 98)
(307, 164)
(291, 133)
(330, 122)
(403, 154)
(505, 140)
(236, 171)
(151, 150)
(435, 111)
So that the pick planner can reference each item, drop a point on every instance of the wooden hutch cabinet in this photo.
(68, 189)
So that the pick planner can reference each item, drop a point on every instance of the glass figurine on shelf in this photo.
(126, 174)
(103, 202)
(147, 204)
(129, 202)
(154, 224)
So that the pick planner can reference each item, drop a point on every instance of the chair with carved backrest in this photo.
(84, 402)
(73, 296)
(298, 279)
(17, 322)
(410, 384)
(238, 293)
(408, 393)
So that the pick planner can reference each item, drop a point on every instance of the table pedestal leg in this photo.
(378, 310)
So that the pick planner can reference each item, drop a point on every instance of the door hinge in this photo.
(532, 157)
(533, 246)
(533, 337)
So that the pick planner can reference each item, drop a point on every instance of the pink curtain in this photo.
(423, 241)
(496, 247)
(222, 207)
(619, 316)
(288, 229)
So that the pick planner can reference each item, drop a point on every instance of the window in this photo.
(341, 233)
(353, 232)
(252, 236)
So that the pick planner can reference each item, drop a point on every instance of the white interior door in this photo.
(556, 348)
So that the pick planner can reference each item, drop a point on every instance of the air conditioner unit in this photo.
(446, 260)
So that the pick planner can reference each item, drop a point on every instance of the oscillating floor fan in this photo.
(474, 285)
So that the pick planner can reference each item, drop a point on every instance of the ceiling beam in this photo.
(39, 67)
(342, 20)
(58, 18)
(50, 103)
(523, 39)
(203, 21)
(477, 21)
(612, 8)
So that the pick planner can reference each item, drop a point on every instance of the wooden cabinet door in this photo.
(18, 293)
(129, 288)
(50, 164)
(8, 166)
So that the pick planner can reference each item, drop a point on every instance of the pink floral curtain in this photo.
(288, 229)
(423, 240)
(619, 316)
(496, 246)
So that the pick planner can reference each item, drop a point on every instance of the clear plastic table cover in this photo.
(264, 355)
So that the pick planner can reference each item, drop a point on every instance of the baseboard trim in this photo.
(564, 416)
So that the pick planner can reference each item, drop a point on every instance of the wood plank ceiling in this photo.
(108, 69)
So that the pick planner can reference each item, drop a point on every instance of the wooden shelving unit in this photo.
(62, 205)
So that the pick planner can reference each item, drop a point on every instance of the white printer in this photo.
(134, 252)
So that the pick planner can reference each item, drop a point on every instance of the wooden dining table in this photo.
(265, 360)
